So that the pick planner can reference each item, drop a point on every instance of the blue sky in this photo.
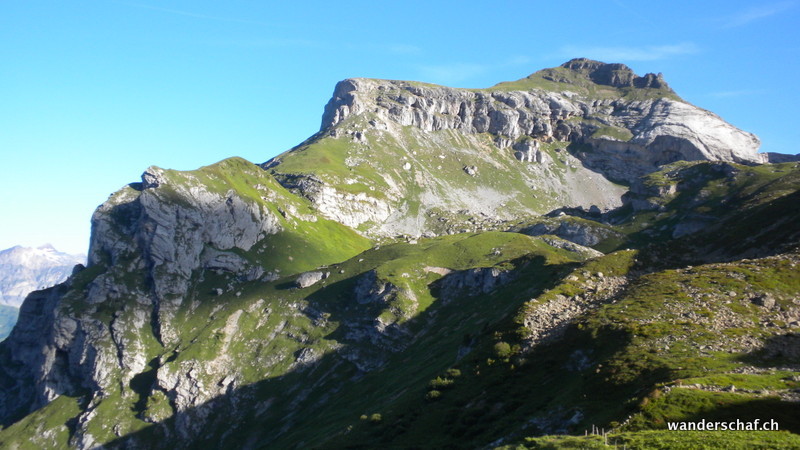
(93, 92)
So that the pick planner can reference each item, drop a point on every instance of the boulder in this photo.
(307, 279)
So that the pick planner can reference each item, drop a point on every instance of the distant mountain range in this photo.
(25, 269)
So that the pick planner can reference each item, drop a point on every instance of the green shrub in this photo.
(440, 383)
(502, 350)
(453, 373)
(433, 395)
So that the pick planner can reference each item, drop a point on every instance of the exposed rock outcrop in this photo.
(472, 282)
(561, 138)
(173, 229)
(173, 223)
(584, 233)
(370, 289)
(350, 209)
(549, 320)
(617, 75)
(774, 158)
(662, 129)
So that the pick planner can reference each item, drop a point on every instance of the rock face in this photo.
(781, 157)
(617, 75)
(176, 238)
(555, 139)
(582, 233)
(150, 241)
(24, 270)
(661, 129)
(172, 239)
(472, 282)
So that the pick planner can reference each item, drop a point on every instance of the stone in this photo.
(470, 282)
(765, 300)
(307, 279)
(369, 289)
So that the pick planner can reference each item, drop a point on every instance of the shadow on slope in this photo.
(324, 395)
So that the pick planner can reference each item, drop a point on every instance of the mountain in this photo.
(24, 270)
(513, 266)
(396, 157)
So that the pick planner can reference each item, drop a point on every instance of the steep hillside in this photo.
(8, 317)
(677, 330)
(156, 246)
(396, 157)
(436, 268)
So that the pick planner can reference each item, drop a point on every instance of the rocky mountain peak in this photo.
(615, 75)
(598, 111)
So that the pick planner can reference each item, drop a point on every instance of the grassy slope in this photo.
(672, 327)
(310, 242)
(669, 440)
(440, 329)
(320, 318)
(48, 427)
(264, 360)
(437, 160)
(744, 208)
(669, 328)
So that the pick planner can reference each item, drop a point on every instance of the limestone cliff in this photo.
(402, 157)
(626, 135)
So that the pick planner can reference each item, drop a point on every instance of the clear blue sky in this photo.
(92, 92)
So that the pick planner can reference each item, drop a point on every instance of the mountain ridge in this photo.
(557, 149)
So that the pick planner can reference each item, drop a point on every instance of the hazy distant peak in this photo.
(26, 269)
